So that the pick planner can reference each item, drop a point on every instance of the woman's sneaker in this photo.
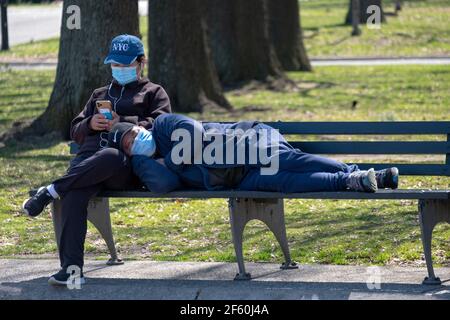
(362, 180)
(387, 178)
(60, 279)
(36, 204)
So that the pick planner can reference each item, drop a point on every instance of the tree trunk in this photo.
(287, 36)
(4, 24)
(363, 15)
(398, 6)
(240, 41)
(180, 58)
(356, 31)
(80, 60)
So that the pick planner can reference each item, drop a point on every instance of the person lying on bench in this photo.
(163, 165)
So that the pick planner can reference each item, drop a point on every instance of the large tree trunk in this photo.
(240, 41)
(363, 15)
(287, 36)
(80, 60)
(180, 59)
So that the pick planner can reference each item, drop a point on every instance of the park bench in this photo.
(433, 205)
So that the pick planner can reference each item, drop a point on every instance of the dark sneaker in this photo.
(362, 180)
(36, 204)
(387, 178)
(60, 279)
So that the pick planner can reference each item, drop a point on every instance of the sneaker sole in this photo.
(372, 180)
(25, 201)
(54, 282)
(23, 207)
(394, 177)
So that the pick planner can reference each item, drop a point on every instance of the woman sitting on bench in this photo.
(198, 159)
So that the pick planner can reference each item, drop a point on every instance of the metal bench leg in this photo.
(238, 220)
(269, 211)
(431, 212)
(273, 217)
(98, 215)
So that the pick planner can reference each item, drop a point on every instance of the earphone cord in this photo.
(116, 100)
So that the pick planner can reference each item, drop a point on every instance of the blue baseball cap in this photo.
(124, 49)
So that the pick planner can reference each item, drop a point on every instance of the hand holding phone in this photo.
(98, 122)
(104, 107)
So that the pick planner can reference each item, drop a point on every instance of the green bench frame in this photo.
(268, 207)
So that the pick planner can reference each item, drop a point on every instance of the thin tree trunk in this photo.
(356, 31)
(180, 58)
(363, 14)
(4, 24)
(287, 36)
(80, 60)
(240, 40)
(398, 6)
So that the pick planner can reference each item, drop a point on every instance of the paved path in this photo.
(379, 61)
(39, 65)
(27, 279)
(32, 23)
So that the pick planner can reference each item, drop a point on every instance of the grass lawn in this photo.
(421, 29)
(322, 231)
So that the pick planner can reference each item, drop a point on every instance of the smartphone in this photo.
(105, 108)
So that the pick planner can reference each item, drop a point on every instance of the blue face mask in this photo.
(143, 144)
(124, 75)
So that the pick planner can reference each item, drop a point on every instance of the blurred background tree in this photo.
(363, 14)
(80, 58)
(180, 58)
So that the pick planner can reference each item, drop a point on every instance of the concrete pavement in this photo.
(381, 61)
(42, 65)
(27, 279)
(39, 22)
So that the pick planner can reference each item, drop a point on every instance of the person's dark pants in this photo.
(306, 173)
(87, 175)
(299, 172)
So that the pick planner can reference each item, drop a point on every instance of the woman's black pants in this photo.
(87, 175)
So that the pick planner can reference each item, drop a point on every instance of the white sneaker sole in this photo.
(25, 201)
(372, 180)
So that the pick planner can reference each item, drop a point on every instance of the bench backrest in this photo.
(397, 147)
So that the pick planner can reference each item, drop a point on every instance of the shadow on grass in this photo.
(14, 147)
(329, 26)
(371, 226)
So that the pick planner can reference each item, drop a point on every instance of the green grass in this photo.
(42, 50)
(421, 29)
(23, 95)
(319, 231)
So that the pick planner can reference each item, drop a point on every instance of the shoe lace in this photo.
(355, 181)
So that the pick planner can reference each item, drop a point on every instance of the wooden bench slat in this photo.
(363, 127)
(411, 169)
(373, 147)
(380, 194)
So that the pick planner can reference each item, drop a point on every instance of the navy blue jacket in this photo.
(172, 176)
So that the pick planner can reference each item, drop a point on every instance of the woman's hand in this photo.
(98, 122)
(112, 122)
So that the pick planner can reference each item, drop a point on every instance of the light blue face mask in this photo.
(124, 75)
(143, 144)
